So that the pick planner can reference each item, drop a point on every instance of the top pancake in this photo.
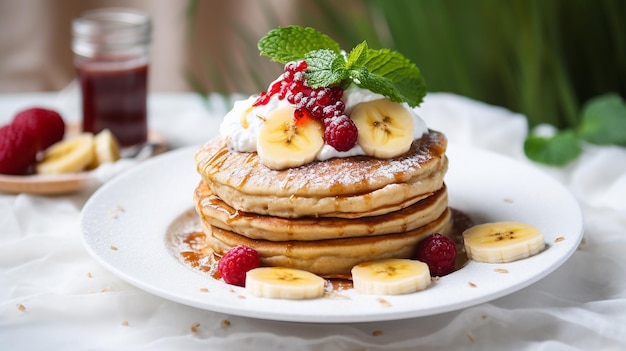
(245, 173)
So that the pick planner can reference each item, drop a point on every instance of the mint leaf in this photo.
(376, 84)
(292, 43)
(393, 75)
(357, 56)
(558, 150)
(603, 120)
(325, 68)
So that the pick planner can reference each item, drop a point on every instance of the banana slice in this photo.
(284, 283)
(283, 144)
(385, 128)
(392, 276)
(502, 242)
(68, 156)
(107, 149)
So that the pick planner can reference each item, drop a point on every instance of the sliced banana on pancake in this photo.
(68, 156)
(283, 143)
(502, 242)
(390, 277)
(284, 283)
(385, 128)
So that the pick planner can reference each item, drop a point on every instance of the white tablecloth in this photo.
(54, 296)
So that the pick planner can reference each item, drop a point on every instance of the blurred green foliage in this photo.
(542, 58)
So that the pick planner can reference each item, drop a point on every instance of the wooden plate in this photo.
(46, 184)
(66, 183)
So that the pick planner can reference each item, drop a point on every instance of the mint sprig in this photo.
(384, 72)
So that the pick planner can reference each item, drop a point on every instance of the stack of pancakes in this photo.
(326, 216)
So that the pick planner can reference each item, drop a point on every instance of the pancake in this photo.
(216, 212)
(390, 198)
(342, 187)
(331, 257)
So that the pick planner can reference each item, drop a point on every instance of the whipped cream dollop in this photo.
(241, 124)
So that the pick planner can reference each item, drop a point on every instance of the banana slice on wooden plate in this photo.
(68, 156)
(107, 148)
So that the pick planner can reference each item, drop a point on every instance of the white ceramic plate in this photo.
(124, 227)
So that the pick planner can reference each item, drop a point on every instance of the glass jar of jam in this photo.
(111, 56)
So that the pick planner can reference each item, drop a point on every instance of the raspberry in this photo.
(18, 150)
(232, 267)
(340, 132)
(438, 252)
(46, 126)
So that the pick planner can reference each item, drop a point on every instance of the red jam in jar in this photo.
(114, 97)
(111, 58)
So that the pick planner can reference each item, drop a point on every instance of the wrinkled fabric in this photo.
(54, 296)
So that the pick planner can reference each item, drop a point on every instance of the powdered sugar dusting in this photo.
(352, 175)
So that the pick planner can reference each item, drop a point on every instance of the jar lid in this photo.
(110, 30)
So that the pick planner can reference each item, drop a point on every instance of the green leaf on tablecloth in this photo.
(556, 150)
(603, 120)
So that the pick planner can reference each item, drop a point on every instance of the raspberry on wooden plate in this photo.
(18, 150)
(45, 126)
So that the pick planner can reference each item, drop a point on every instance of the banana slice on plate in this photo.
(283, 144)
(68, 156)
(284, 283)
(385, 128)
(502, 242)
(107, 148)
(394, 276)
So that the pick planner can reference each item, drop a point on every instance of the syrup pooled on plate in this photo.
(186, 241)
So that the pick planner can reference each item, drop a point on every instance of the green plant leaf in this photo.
(603, 120)
(557, 150)
(292, 43)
